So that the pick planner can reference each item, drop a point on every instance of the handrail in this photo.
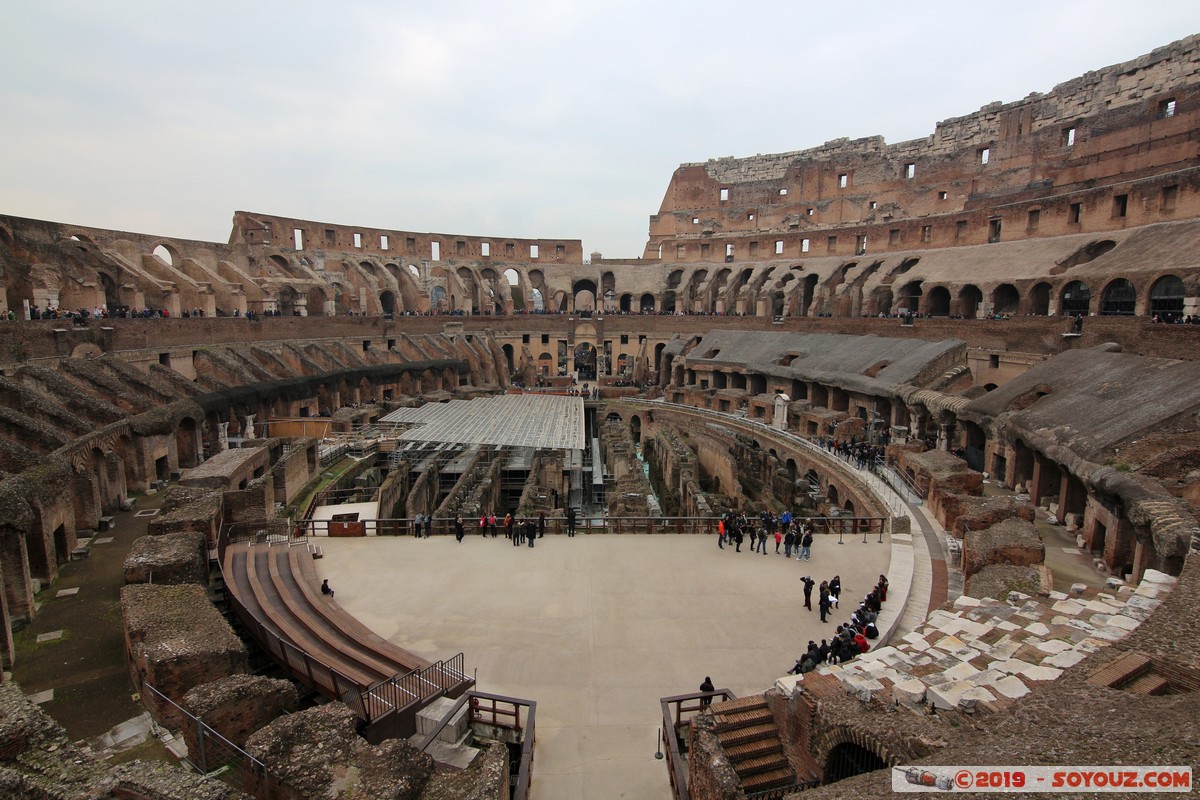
(525, 763)
(328, 679)
(672, 717)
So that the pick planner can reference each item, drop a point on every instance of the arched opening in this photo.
(807, 293)
(437, 298)
(1166, 298)
(287, 301)
(849, 759)
(777, 304)
(316, 302)
(539, 302)
(584, 292)
(387, 302)
(668, 303)
(909, 299)
(658, 351)
(585, 361)
(1076, 299)
(970, 297)
(635, 428)
(975, 441)
(626, 303)
(112, 297)
(508, 357)
(1007, 300)
(164, 255)
(882, 298)
(646, 304)
(938, 303)
(1039, 300)
(831, 493)
(1118, 299)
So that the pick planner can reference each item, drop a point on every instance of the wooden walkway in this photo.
(321, 644)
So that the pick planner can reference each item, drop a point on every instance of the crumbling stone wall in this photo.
(189, 509)
(171, 558)
(176, 639)
(318, 753)
(237, 706)
(1011, 541)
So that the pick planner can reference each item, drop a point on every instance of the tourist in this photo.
(458, 528)
(418, 521)
(325, 588)
(483, 524)
(428, 525)
(789, 542)
(707, 686)
(809, 583)
(570, 522)
(806, 540)
(824, 603)
(761, 547)
(541, 524)
(778, 541)
(882, 588)
(492, 524)
(835, 589)
(721, 533)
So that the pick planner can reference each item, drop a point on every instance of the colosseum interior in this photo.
(1000, 316)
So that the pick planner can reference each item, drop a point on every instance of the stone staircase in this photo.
(750, 739)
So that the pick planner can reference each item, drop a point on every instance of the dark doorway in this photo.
(849, 759)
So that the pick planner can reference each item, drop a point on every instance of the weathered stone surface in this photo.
(176, 640)
(318, 754)
(170, 558)
(1011, 541)
(238, 705)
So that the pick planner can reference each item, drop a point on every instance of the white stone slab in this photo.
(1011, 687)
(1065, 659)
(1156, 577)
(102, 540)
(949, 644)
(986, 677)
(910, 692)
(947, 695)
(1146, 590)
(965, 601)
(1012, 666)
(1123, 622)
(67, 592)
(1058, 595)
(1101, 607)
(37, 698)
(1071, 607)
(788, 683)
(961, 671)
(1038, 629)
(1053, 646)
(1005, 625)
(49, 637)
(1040, 673)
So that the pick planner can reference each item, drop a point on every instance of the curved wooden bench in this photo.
(306, 616)
(305, 577)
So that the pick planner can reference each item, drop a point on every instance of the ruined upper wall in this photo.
(267, 230)
(1164, 69)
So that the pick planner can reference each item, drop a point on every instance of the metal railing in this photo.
(211, 754)
(498, 712)
(393, 696)
(674, 747)
(558, 526)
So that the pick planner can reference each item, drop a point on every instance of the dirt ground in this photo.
(86, 666)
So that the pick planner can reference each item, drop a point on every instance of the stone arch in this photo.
(508, 357)
(832, 494)
(316, 298)
(1166, 298)
(937, 303)
(187, 442)
(881, 301)
(970, 298)
(1118, 299)
(1039, 299)
(847, 759)
(807, 293)
(167, 253)
(1006, 299)
(1075, 298)
(387, 302)
(635, 428)
(909, 298)
(646, 303)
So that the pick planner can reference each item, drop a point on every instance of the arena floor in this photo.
(596, 629)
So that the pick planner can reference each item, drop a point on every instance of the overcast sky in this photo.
(528, 119)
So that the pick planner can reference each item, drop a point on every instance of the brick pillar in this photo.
(14, 563)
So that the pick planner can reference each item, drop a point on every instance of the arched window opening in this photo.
(1118, 299)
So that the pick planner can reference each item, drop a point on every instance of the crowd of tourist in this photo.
(851, 639)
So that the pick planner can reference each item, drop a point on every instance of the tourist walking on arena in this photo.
(809, 583)
(761, 547)
(824, 601)
(721, 533)
(418, 521)
(458, 528)
(492, 524)
(789, 542)
(806, 540)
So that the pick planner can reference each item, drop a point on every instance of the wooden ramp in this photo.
(323, 646)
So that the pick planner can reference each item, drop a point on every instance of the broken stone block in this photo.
(1078, 588)
(946, 695)
(1011, 687)
(1065, 659)
(1035, 672)
(1071, 607)
(1053, 646)
(1153, 576)
(910, 692)
(1038, 629)
(1123, 622)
